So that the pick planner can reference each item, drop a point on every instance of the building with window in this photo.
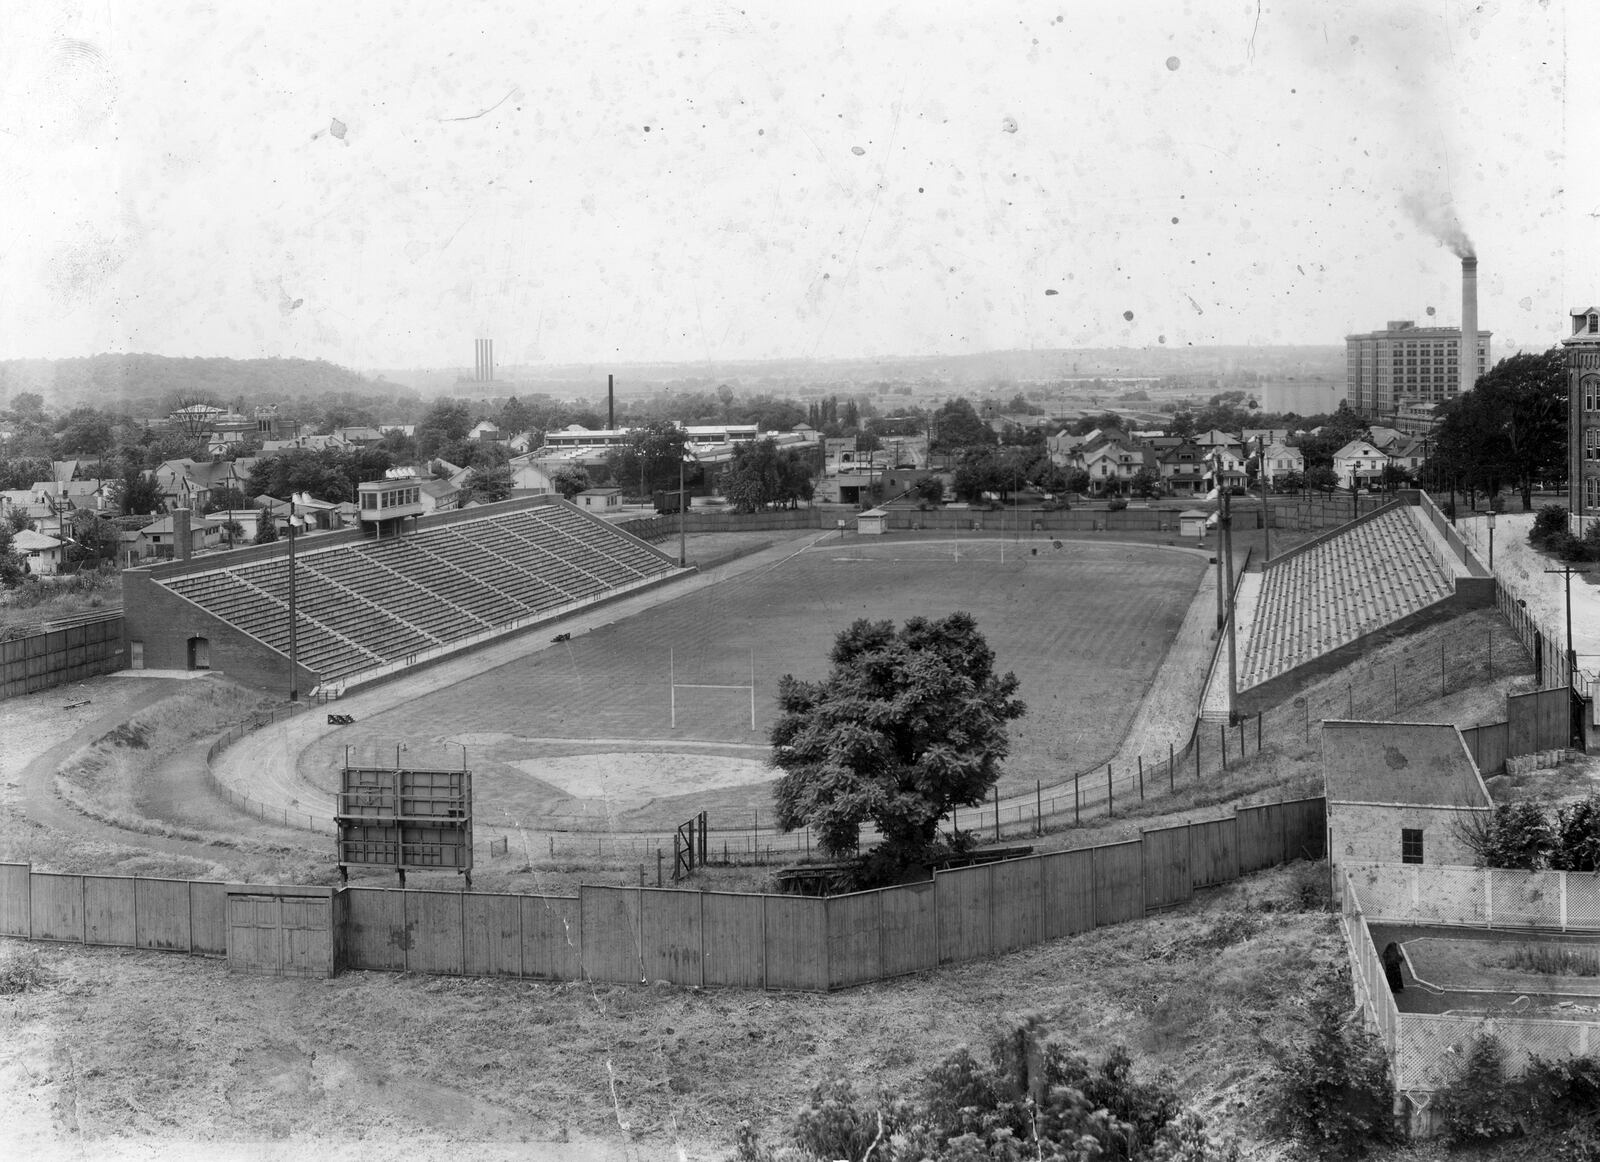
(1400, 792)
(1405, 364)
(1583, 403)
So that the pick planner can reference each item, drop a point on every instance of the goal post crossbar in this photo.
(674, 686)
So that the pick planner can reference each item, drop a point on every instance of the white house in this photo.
(43, 552)
(1359, 465)
(1279, 460)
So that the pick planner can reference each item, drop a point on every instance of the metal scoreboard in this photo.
(408, 820)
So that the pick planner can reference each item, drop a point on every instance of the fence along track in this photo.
(749, 940)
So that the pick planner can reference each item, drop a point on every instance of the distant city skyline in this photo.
(694, 183)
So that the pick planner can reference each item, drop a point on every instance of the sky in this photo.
(379, 185)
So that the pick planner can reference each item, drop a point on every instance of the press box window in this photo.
(1411, 845)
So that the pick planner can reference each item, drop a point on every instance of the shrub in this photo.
(1552, 518)
(1117, 504)
(1478, 1105)
(1030, 1099)
(22, 973)
(1333, 1087)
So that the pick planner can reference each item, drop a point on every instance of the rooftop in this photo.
(1412, 763)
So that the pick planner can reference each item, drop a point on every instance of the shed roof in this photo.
(1414, 763)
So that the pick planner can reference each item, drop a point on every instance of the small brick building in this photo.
(1399, 792)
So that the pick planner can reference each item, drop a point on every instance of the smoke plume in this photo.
(1439, 219)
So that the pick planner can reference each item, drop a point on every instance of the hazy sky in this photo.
(379, 184)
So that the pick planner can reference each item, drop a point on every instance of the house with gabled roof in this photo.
(1359, 464)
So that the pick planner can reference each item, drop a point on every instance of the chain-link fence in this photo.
(265, 811)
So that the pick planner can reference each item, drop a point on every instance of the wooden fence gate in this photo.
(274, 935)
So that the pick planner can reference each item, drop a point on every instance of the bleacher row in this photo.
(362, 606)
(1367, 576)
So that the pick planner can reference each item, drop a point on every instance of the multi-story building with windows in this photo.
(1583, 430)
(1405, 364)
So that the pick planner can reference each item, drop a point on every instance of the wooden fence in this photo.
(687, 937)
(1535, 721)
(58, 656)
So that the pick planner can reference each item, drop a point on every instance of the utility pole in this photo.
(1227, 556)
(1567, 571)
(294, 638)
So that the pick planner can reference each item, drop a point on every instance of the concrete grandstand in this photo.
(369, 607)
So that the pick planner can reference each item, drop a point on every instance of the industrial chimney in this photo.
(1467, 361)
(611, 405)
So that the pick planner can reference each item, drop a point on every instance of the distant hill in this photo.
(154, 381)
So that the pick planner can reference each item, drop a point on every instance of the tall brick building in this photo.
(1583, 427)
(1405, 363)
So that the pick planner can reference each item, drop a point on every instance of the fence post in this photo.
(1172, 784)
(1077, 803)
(1223, 731)
(1258, 732)
(1141, 778)
(1196, 737)
(1038, 807)
(997, 813)
(1110, 810)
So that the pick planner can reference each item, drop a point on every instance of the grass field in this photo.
(1084, 626)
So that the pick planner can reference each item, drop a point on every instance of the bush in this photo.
(1333, 1087)
(22, 973)
(1552, 519)
(1117, 504)
(1478, 1105)
(1030, 1099)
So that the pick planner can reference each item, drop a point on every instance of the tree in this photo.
(13, 564)
(762, 474)
(1525, 397)
(1321, 478)
(266, 527)
(1333, 1086)
(448, 421)
(981, 470)
(1145, 483)
(956, 425)
(906, 726)
(492, 484)
(929, 489)
(569, 480)
(94, 538)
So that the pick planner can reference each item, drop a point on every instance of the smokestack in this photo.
(1467, 359)
(483, 351)
(611, 404)
(182, 545)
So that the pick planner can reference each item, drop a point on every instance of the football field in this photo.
(645, 721)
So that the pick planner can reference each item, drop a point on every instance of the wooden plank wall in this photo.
(54, 658)
(735, 945)
(909, 920)
(1068, 879)
(796, 942)
(612, 947)
(1213, 853)
(700, 938)
(57, 907)
(1166, 867)
(376, 937)
(1537, 720)
(15, 911)
(552, 936)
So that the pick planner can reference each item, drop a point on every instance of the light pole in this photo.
(294, 638)
(683, 511)
(1491, 542)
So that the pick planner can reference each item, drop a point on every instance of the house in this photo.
(359, 437)
(486, 431)
(1280, 460)
(1400, 792)
(439, 495)
(529, 478)
(218, 533)
(600, 498)
(1225, 465)
(165, 537)
(43, 552)
(1183, 470)
(188, 483)
(1113, 465)
(1359, 465)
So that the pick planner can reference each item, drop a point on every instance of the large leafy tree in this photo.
(762, 474)
(1511, 428)
(957, 425)
(906, 726)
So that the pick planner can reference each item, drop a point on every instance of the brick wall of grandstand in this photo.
(366, 605)
(1363, 578)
